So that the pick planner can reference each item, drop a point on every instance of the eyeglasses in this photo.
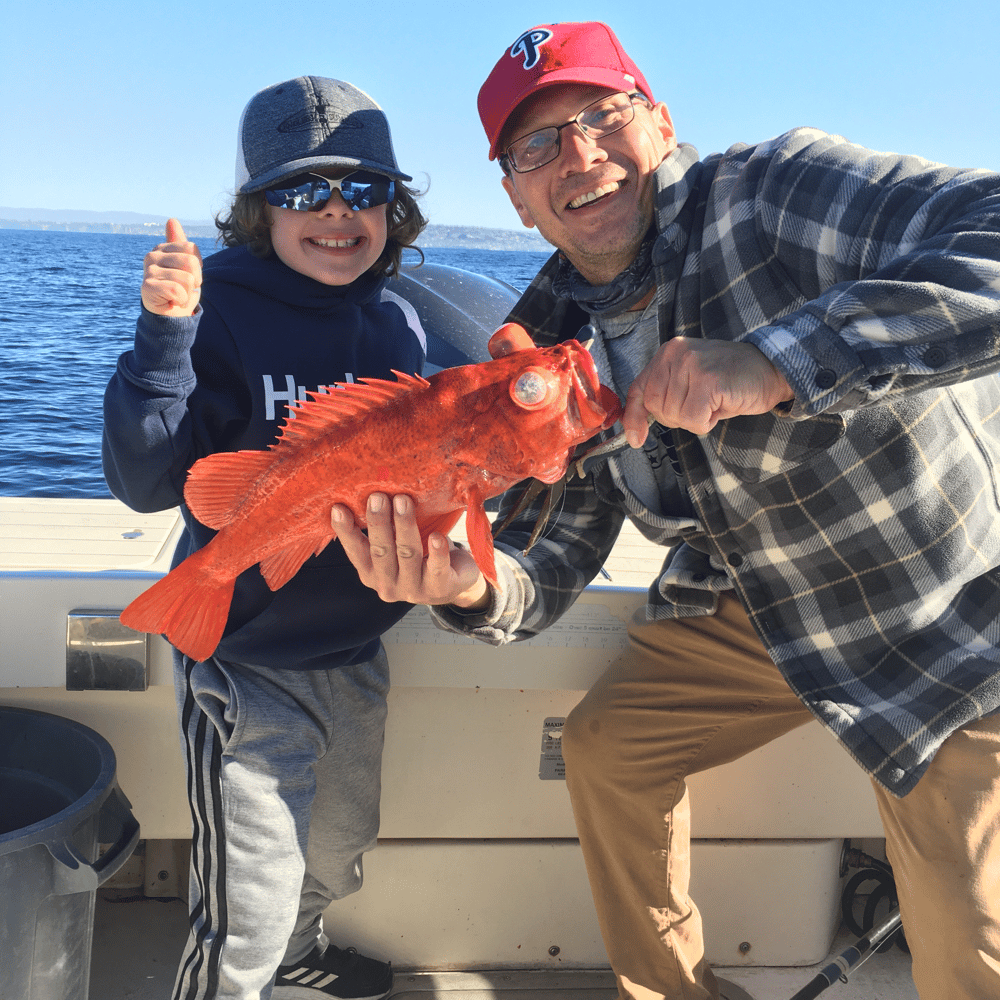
(311, 192)
(603, 117)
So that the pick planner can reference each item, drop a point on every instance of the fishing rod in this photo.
(851, 958)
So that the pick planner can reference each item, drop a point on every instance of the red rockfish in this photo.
(449, 442)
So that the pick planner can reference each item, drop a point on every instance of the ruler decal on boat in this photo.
(591, 626)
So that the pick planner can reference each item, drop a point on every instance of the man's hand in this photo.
(391, 560)
(693, 384)
(171, 275)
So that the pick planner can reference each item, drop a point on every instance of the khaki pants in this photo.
(694, 693)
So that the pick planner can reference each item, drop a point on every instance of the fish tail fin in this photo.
(187, 606)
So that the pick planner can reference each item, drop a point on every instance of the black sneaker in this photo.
(333, 973)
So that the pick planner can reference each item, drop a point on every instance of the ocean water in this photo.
(68, 305)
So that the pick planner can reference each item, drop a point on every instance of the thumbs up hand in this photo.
(171, 275)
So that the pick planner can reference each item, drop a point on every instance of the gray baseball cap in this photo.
(307, 123)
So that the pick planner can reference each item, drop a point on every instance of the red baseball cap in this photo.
(584, 52)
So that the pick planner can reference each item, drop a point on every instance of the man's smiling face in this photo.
(595, 199)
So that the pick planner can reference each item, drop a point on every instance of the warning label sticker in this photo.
(552, 767)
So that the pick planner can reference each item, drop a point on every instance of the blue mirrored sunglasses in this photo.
(311, 192)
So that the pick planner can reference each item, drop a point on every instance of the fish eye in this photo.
(533, 388)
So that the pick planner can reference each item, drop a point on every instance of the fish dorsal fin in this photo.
(324, 411)
(218, 484)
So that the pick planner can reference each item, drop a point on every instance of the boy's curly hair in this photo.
(249, 224)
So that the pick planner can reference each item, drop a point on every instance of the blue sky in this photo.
(133, 106)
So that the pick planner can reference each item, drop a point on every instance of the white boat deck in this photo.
(137, 946)
(465, 815)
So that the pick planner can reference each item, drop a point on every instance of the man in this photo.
(812, 329)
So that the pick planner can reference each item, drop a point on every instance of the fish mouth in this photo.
(592, 405)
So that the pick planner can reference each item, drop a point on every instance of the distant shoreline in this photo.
(452, 237)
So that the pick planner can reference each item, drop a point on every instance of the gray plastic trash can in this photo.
(59, 799)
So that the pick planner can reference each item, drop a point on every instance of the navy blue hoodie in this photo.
(222, 381)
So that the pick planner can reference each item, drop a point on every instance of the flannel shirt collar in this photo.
(677, 183)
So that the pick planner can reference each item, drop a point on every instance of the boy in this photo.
(283, 725)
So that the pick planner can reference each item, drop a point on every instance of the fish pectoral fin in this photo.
(443, 523)
(278, 569)
(477, 528)
(218, 484)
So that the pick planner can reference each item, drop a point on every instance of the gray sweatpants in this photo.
(284, 777)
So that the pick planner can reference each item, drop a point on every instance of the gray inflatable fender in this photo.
(459, 311)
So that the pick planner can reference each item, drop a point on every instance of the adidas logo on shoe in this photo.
(339, 973)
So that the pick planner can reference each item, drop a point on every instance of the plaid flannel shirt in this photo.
(859, 526)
